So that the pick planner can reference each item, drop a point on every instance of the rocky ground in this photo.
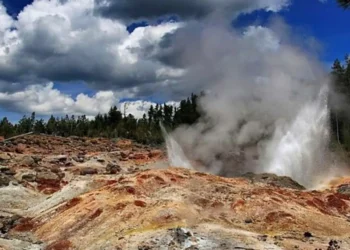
(79, 193)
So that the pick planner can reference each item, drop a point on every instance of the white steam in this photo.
(262, 111)
(299, 151)
(176, 155)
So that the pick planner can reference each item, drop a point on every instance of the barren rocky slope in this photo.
(79, 193)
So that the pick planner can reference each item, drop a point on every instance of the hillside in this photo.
(79, 193)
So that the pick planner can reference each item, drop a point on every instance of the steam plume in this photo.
(263, 109)
(176, 155)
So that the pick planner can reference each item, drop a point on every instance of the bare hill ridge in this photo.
(79, 193)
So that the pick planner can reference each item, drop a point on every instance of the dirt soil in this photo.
(80, 193)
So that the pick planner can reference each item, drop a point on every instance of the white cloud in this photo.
(67, 40)
(139, 108)
(132, 48)
(48, 100)
(5, 19)
(136, 108)
(64, 41)
(264, 38)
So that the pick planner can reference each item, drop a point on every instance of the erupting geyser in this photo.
(264, 108)
(176, 156)
(299, 149)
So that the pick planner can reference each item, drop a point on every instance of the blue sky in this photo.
(325, 21)
(328, 23)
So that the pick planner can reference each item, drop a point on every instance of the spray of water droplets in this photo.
(176, 156)
(299, 149)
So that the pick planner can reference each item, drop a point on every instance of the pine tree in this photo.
(338, 73)
(151, 113)
(39, 126)
(51, 126)
(6, 128)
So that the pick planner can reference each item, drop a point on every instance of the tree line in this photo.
(110, 125)
(340, 102)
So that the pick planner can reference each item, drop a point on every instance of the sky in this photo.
(84, 56)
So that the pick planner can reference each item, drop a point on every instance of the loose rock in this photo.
(272, 179)
(4, 157)
(4, 181)
(28, 177)
(344, 189)
(113, 168)
(20, 148)
(88, 171)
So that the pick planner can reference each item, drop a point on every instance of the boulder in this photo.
(28, 177)
(6, 223)
(181, 235)
(59, 172)
(4, 181)
(37, 158)
(68, 164)
(94, 141)
(20, 148)
(26, 160)
(56, 170)
(155, 153)
(275, 180)
(344, 189)
(113, 168)
(7, 171)
(115, 153)
(88, 171)
(125, 154)
(100, 160)
(57, 159)
(46, 176)
(4, 169)
(139, 156)
(4, 157)
(79, 159)
(140, 203)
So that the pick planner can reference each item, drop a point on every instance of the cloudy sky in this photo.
(83, 56)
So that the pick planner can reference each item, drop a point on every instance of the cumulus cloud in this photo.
(139, 108)
(194, 9)
(5, 19)
(87, 40)
(64, 41)
(46, 100)
(67, 41)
